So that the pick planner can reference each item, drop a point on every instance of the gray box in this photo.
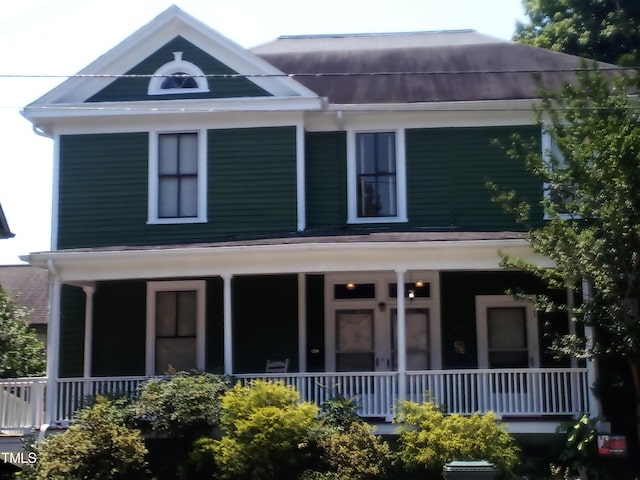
(469, 470)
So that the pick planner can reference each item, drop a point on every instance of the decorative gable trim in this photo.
(168, 25)
(182, 72)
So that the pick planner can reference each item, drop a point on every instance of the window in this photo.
(376, 177)
(177, 178)
(178, 76)
(175, 324)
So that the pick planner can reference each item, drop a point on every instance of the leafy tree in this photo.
(605, 30)
(592, 234)
(22, 354)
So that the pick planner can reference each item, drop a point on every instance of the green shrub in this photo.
(183, 405)
(267, 430)
(429, 439)
(355, 453)
(339, 412)
(93, 447)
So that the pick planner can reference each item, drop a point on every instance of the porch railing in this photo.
(508, 392)
(21, 404)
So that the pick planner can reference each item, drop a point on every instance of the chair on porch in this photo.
(277, 366)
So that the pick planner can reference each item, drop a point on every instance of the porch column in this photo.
(89, 290)
(228, 322)
(401, 346)
(53, 344)
(592, 363)
(302, 322)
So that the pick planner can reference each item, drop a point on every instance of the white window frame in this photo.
(484, 302)
(153, 182)
(177, 65)
(199, 287)
(547, 149)
(352, 179)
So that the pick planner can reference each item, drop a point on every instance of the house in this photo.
(29, 288)
(5, 232)
(319, 199)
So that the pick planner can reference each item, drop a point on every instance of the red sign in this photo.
(612, 444)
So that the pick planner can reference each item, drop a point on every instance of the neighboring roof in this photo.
(29, 287)
(418, 67)
(4, 226)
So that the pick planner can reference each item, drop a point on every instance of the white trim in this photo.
(175, 286)
(483, 302)
(55, 193)
(153, 180)
(177, 65)
(401, 183)
(171, 262)
(53, 341)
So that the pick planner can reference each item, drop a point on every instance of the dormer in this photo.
(178, 76)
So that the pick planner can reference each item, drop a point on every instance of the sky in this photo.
(45, 39)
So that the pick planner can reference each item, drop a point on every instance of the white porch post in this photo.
(592, 364)
(401, 346)
(89, 290)
(302, 322)
(228, 323)
(53, 344)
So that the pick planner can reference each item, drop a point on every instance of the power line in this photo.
(329, 74)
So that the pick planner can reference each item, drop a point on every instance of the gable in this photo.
(224, 82)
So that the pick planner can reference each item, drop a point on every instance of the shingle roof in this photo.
(418, 67)
(29, 287)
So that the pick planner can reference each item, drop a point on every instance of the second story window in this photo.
(376, 177)
(177, 178)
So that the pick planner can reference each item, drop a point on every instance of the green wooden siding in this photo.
(458, 312)
(72, 302)
(119, 328)
(447, 172)
(252, 180)
(326, 179)
(104, 188)
(135, 88)
(265, 321)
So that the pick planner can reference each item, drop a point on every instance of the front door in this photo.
(361, 324)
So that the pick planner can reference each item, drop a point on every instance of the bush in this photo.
(184, 405)
(266, 432)
(429, 439)
(355, 453)
(93, 447)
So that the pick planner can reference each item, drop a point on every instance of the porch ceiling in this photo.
(390, 251)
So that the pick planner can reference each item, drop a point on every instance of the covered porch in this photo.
(379, 317)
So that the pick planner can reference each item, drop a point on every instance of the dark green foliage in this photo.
(605, 30)
(183, 405)
(339, 412)
(22, 354)
(94, 447)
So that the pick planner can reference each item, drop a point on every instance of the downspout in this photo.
(53, 344)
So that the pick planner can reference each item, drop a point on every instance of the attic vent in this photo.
(177, 76)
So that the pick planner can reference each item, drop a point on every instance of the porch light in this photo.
(419, 284)
(351, 286)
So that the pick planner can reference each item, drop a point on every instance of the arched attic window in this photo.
(177, 76)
